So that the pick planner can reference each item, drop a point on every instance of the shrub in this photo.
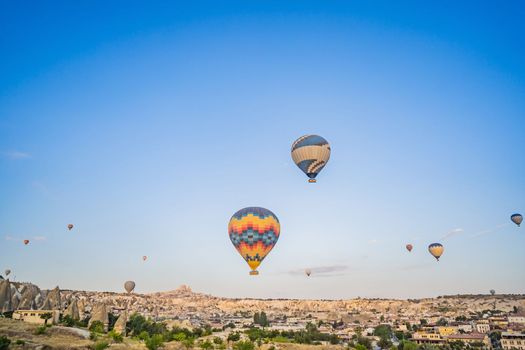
(116, 336)
(154, 342)
(244, 345)
(101, 345)
(217, 341)
(20, 342)
(4, 343)
(97, 327)
(41, 330)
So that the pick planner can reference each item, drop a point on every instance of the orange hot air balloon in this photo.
(144, 258)
(308, 272)
(409, 247)
(436, 249)
(254, 232)
(26, 241)
(70, 227)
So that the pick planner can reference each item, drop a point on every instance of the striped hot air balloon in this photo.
(311, 153)
(409, 247)
(254, 232)
(436, 249)
(129, 286)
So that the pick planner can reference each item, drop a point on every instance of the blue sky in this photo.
(148, 125)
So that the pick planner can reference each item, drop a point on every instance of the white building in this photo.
(516, 319)
(483, 326)
(510, 340)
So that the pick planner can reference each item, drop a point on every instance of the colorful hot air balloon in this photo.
(308, 272)
(7, 272)
(436, 249)
(144, 258)
(26, 241)
(517, 219)
(492, 291)
(254, 232)
(70, 226)
(409, 247)
(129, 286)
(311, 153)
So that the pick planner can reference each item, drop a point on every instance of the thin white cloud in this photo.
(323, 271)
(39, 238)
(489, 231)
(14, 155)
(454, 232)
(373, 241)
(9, 238)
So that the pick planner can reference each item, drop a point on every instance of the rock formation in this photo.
(72, 310)
(30, 298)
(52, 301)
(120, 325)
(100, 313)
(5, 296)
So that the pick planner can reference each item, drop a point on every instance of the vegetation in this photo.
(116, 336)
(41, 330)
(154, 342)
(261, 319)
(97, 327)
(310, 335)
(4, 343)
(244, 345)
(46, 316)
(101, 345)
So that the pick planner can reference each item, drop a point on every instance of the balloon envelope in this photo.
(492, 291)
(129, 286)
(311, 153)
(436, 249)
(254, 232)
(517, 219)
(7, 272)
(70, 226)
(144, 258)
(26, 241)
(409, 247)
(308, 272)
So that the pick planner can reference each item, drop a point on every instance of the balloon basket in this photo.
(312, 181)
(254, 273)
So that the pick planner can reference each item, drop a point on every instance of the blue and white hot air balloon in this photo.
(311, 153)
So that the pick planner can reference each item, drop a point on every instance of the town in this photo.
(488, 321)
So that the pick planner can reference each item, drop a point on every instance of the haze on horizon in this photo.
(148, 125)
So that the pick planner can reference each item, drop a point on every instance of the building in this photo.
(35, 316)
(427, 338)
(472, 338)
(446, 331)
(516, 319)
(511, 340)
(482, 326)
(465, 328)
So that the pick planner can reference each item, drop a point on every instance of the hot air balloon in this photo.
(7, 272)
(436, 249)
(517, 219)
(308, 272)
(254, 232)
(311, 153)
(26, 241)
(129, 286)
(70, 226)
(144, 258)
(492, 291)
(409, 247)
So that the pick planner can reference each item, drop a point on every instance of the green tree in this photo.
(46, 316)
(383, 331)
(360, 347)
(188, 343)
(384, 343)
(234, 336)
(97, 327)
(217, 341)
(4, 343)
(244, 345)
(206, 345)
(154, 342)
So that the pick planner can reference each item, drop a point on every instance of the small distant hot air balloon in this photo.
(492, 291)
(308, 272)
(254, 232)
(311, 153)
(70, 227)
(409, 247)
(517, 219)
(144, 258)
(7, 272)
(129, 286)
(26, 241)
(436, 249)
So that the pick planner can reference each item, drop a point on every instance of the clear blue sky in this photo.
(148, 124)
